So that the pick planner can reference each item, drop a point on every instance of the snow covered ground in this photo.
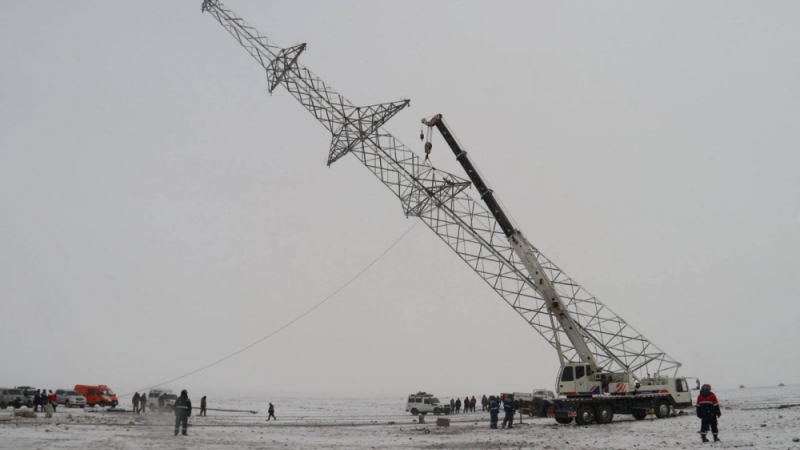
(751, 419)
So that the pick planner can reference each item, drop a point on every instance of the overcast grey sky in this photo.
(159, 209)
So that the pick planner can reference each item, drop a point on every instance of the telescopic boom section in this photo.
(487, 195)
(521, 246)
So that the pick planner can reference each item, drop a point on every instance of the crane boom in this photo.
(439, 199)
(542, 285)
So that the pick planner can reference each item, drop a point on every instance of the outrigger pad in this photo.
(358, 123)
(276, 71)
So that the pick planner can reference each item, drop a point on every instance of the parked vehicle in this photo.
(169, 397)
(97, 395)
(539, 404)
(544, 393)
(28, 392)
(423, 403)
(70, 398)
(11, 397)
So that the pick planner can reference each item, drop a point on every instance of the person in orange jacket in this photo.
(51, 398)
(708, 412)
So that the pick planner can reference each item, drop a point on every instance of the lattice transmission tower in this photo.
(439, 199)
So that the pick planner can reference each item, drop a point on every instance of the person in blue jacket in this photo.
(183, 409)
(494, 409)
(508, 407)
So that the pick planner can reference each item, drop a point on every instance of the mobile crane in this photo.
(607, 367)
(591, 394)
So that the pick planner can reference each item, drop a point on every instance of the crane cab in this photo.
(578, 379)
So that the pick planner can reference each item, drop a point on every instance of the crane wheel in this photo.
(605, 414)
(564, 420)
(585, 415)
(662, 409)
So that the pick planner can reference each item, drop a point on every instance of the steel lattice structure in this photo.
(439, 199)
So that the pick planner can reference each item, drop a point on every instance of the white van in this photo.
(424, 403)
(169, 399)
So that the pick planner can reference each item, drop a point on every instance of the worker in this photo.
(203, 406)
(52, 399)
(143, 403)
(135, 402)
(466, 404)
(37, 398)
(271, 412)
(484, 403)
(43, 399)
(452, 406)
(472, 403)
(183, 409)
(508, 407)
(708, 412)
(458, 405)
(494, 408)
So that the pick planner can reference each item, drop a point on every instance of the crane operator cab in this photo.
(579, 380)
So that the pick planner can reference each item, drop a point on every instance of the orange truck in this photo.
(97, 395)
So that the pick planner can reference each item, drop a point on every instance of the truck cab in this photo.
(678, 388)
(577, 380)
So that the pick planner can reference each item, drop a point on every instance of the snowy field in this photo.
(751, 418)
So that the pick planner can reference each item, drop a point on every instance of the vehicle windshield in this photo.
(171, 397)
(435, 401)
(14, 392)
(106, 392)
(73, 393)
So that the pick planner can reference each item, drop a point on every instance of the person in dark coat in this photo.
(494, 410)
(484, 403)
(452, 406)
(143, 403)
(183, 410)
(271, 412)
(203, 406)
(135, 402)
(36, 399)
(43, 399)
(508, 407)
(466, 404)
(708, 412)
(458, 406)
(472, 403)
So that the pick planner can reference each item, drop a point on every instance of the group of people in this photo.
(468, 405)
(509, 406)
(182, 408)
(42, 398)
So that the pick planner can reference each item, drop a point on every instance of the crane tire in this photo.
(662, 409)
(585, 415)
(639, 414)
(605, 414)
